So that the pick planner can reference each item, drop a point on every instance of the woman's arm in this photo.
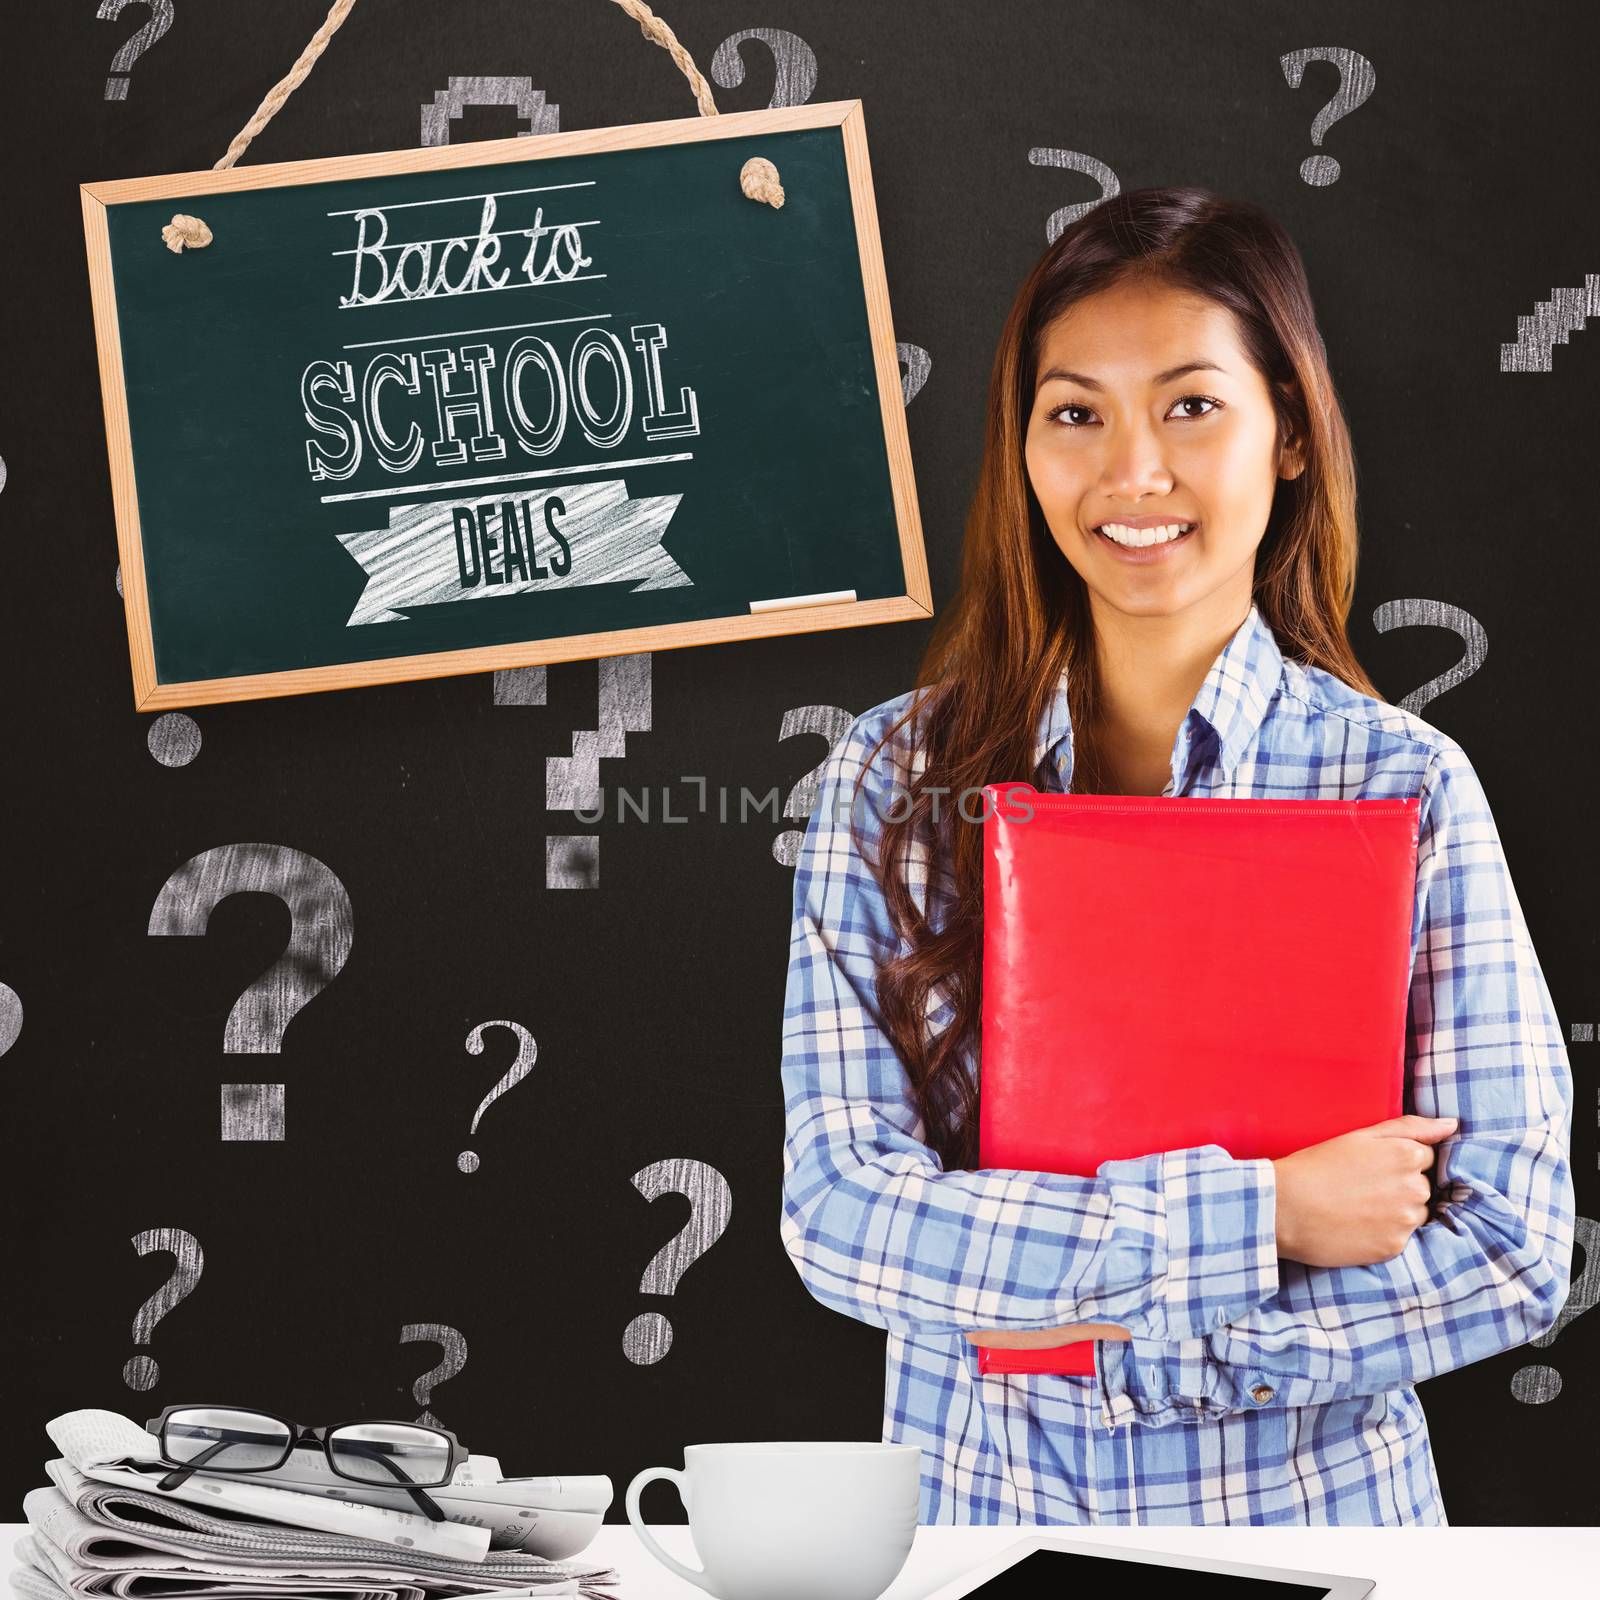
(1168, 1246)
(1490, 1270)
(1348, 1201)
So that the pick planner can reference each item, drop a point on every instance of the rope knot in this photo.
(759, 180)
(184, 230)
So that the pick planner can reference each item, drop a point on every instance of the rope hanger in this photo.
(758, 178)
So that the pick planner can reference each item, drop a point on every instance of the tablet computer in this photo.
(1042, 1564)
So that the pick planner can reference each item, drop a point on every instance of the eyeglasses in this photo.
(397, 1455)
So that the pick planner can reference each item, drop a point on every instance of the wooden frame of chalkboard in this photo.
(222, 600)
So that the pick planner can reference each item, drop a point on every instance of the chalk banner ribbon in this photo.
(566, 537)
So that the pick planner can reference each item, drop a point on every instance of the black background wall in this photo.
(352, 1267)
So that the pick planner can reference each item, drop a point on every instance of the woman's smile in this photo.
(1141, 546)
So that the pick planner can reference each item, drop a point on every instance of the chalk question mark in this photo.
(793, 60)
(1436, 614)
(832, 722)
(455, 1358)
(1075, 161)
(1534, 1385)
(122, 62)
(572, 783)
(527, 1054)
(449, 104)
(10, 1017)
(1357, 80)
(142, 1372)
(917, 364)
(173, 738)
(649, 1336)
(1569, 310)
(321, 931)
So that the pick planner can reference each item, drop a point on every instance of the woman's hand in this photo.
(1047, 1338)
(1356, 1200)
(1352, 1201)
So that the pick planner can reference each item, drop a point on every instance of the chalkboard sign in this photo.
(456, 409)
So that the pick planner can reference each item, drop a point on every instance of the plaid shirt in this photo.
(1254, 1389)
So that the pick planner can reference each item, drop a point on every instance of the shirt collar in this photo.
(1232, 702)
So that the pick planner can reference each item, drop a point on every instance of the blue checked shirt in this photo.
(1254, 1389)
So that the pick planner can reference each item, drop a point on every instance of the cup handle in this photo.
(694, 1575)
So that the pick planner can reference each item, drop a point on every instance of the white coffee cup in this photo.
(792, 1521)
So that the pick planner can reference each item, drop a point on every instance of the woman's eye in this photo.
(1052, 415)
(1188, 399)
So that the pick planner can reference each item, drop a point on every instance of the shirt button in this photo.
(1262, 1393)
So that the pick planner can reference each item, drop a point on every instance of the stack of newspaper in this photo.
(102, 1527)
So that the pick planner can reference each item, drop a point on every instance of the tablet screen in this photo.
(1063, 1572)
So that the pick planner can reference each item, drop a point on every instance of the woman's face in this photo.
(1123, 427)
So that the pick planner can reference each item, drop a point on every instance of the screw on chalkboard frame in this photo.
(758, 178)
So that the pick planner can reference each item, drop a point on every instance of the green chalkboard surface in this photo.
(530, 400)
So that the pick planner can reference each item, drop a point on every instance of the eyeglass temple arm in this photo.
(173, 1479)
(426, 1501)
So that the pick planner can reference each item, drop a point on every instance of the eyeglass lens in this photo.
(227, 1440)
(238, 1441)
(390, 1452)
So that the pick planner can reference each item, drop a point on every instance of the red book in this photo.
(1177, 970)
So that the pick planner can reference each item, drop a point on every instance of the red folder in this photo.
(1181, 970)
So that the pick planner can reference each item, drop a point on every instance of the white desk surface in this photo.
(1456, 1563)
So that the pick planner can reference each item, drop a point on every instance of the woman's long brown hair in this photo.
(1021, 616)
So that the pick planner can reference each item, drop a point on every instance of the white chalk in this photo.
(783, 602)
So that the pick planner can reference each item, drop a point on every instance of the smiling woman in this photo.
(1159, 564)
(1124, 450)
